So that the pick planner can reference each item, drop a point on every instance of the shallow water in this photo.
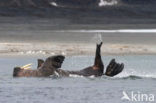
(138, 76)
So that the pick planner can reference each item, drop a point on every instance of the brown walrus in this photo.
(97, 69)
(53, 64)
(44, 69)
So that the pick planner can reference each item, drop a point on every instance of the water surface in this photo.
(139, 75)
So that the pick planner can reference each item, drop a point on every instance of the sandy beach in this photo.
(73, 49)
(76, 43)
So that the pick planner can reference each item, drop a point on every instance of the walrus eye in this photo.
(57, 60)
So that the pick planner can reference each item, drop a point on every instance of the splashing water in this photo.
(97, 38)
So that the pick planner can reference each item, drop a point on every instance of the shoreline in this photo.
(71, 49)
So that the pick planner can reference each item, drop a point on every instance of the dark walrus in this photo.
(53, 64)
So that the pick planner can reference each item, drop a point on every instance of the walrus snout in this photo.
(16, 71)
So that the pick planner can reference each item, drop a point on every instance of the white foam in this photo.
(107, 3)
(56, 73)
(78, 76)
(143, 75)
(92, 76)
(75, 76)
(113, 31)
(54, 4)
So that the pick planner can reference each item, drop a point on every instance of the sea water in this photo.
(138, 76)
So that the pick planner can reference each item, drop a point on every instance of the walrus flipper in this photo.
(114, 68)
(96, 69)
(98, 61)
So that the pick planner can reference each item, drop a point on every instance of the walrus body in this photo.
(96, 69)
(53, 64)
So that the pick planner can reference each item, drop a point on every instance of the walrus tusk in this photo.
(26, 66)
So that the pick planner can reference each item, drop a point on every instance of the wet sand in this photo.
(73, 49)
(76, 43)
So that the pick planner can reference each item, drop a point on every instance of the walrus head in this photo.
(54, 61)
(16, 71)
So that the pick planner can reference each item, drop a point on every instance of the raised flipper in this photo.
(114, 68)
(40, 63)
(96, 69)
(98, 61)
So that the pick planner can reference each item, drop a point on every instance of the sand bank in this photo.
(73, 49)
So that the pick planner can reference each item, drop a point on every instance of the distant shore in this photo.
(42, 36)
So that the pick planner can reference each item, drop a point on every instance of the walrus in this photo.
(52, 65)
(44, 69)
(97, 69)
